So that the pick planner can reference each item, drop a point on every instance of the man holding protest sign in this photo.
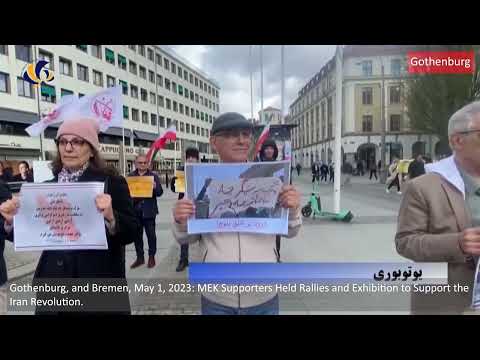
(231, 138)
(146, 209)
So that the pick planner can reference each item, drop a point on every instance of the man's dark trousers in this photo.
(149, 225)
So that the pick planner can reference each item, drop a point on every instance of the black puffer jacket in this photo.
(267, 143)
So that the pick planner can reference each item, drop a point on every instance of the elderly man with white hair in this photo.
(439, 219)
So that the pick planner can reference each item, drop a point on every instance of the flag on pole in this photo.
(169, 134)
(105, 106)
(261, 139)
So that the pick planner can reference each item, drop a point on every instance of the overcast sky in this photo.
(229, 65)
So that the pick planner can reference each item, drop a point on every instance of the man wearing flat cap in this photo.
(231, 138)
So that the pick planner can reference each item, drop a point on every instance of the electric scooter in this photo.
(314, 206)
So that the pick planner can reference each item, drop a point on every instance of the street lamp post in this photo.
(383, 169)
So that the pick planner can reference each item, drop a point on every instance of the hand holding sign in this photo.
(470, 241)
(104, 205)
(9, 208)
(289, 197)
(183, 210)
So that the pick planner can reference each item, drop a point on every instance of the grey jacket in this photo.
(237, 247)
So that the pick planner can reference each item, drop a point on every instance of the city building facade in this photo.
(368, 72)
(270, 115)
(160, 89)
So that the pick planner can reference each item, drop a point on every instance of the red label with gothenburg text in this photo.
(441, 62)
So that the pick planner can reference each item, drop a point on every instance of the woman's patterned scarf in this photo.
(71, 176)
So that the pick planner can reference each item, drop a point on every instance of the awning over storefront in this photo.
(116, 131)
(142, 135)
(19, 117)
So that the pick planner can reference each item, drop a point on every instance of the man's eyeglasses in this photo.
(74, 143)
(235, 133)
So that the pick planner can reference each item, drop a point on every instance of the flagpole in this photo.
(338, 127)
(261, 84)
(251, 81)
(283, 84)
(123, 149)
(38, 106)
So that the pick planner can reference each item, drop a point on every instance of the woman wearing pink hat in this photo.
(79, 160)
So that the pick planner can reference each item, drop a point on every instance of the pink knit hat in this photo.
(85, 128)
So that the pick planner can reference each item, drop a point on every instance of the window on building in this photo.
(141, 50)
(65, 67)
(24, 88)
(201, 85)
(203, 132)
(187, 110)
(82, 72)
(186, 92)
(175, 106)
(209, 90)
(153, 98)
(133, 91)
(24, 53)
(197, 113)
(192, 112)
(185, 75)
(367, 123)
(198, 130)
(160, 101)
(65, 92)
(144, 95)
(3, 49)
(179, 71)
(166, 64)
(143, 72)
(151, 76)
(160, 80)
(153, 119)
(174, 87)
(135, 115)
(161, 121)
(144, 117)
(367, 68)
(210, 117)
(180, 89)
(48, 93)
(174, 68)
(169, 122)
(191, 79)
(395, 94)
(180, 108)
(46, 56)
(124, 87)
(167, 84)
(122, 62)
(191, 95)
(125, 112)
(97, 78)
(150, 55)
(201, 100)
(202, 116)
(367, 96)
(182, 126)
(110, 81)
(196, 98)
(158, 59)
(196, 82)
(396, 67)
(169, 104)
(395, 122)
(132, 67)
(96, 51)
(4, 82)
(82, 48)
(187, 128)
(132, 47)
